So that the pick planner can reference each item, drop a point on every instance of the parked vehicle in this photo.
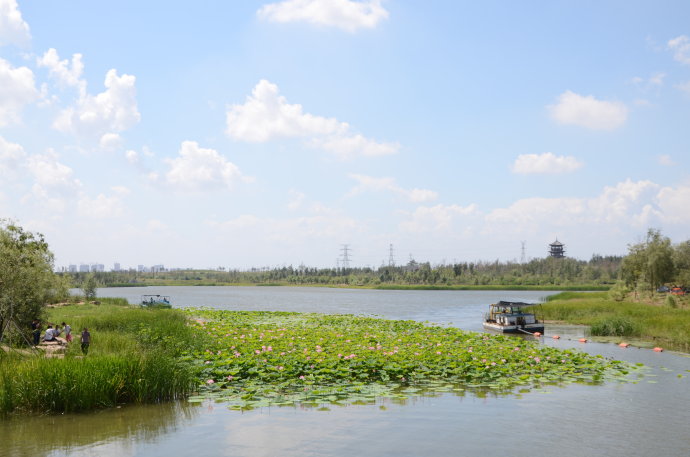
(155, 301)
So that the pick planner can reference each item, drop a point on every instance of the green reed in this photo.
(134, 357)
(661, 325)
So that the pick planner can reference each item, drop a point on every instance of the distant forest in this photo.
(602, 271)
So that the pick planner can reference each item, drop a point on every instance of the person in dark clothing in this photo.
(85, 340)
(36, 331)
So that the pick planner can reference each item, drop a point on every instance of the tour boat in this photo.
(509, 317)
(156, 301)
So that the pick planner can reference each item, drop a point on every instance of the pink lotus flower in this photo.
(210, 381)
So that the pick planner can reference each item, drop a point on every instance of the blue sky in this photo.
(257, 133)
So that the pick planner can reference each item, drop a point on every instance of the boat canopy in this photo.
(513, 304)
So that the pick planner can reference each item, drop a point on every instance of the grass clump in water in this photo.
(615, 326)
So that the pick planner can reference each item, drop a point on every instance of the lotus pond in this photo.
(259, 358)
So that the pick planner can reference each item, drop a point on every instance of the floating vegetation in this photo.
(258, 359)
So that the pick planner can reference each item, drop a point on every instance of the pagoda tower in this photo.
(557, 249)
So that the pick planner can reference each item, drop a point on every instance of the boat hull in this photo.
(527, 328)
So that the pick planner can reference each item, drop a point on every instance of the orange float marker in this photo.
(624, 345)
(658, 349)
(556, 337)
(582, 340)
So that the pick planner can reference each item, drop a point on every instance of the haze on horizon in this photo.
(260, 133)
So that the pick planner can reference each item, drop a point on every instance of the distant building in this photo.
(84, 268)
(557, 249)
(116, 267)
(157, 268)
(72, 268)
(141, 268)
(97, 267)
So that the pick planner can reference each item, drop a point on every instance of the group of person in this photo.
(51, 334)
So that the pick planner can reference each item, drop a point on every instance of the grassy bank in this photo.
(134, 357)
(657, 324)
(492, 287)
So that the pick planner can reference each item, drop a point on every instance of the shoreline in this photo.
(550, 288)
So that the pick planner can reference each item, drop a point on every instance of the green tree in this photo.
(27, 280)
(681, 263)
(89, 286)
(649, 263)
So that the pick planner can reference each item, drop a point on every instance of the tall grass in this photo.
(661, 325)
(74, 384)
(134, 357)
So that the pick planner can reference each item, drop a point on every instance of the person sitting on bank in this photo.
(50, 334)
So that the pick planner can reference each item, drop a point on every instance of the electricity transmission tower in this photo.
(522, 256)
(345, 259)
(391, 259)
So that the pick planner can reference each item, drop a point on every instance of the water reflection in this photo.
(109, 432)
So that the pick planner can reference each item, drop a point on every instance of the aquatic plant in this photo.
(72, 384)
(282, 358)
(615, 326)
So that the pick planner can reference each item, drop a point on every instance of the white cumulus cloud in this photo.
(344, 14)
(54, 184)
(13, 29)
(110, 141)
(111, 111)
(17, 89)
(267, 115)
(628, 203)
(681, 48)
(666, 160)
(199, 168)
(101, 207)
(12, 157)
(436, 218)
(372, 184)
(547, 163)
(52, 175)
(587, 111)
(673, 204)
(347, 147)
(66, 73)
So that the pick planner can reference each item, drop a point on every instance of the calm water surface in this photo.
(647, 418)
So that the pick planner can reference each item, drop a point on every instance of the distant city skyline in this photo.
(245, 134)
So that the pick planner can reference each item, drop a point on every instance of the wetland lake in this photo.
(650, 416)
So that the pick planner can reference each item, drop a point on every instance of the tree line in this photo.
(598, 271)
